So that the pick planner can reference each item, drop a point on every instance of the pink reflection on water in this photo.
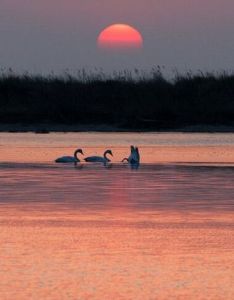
(162, 231)
(121, 256)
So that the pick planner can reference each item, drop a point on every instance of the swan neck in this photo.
(105, 156)
(76, 155)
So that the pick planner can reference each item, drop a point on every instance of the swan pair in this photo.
(134, 157)
(75, 158)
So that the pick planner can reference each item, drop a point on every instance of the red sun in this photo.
(120, 36)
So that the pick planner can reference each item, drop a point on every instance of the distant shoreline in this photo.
(50, 128)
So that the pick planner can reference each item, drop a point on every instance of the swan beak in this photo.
(111, 153)
(81, 151)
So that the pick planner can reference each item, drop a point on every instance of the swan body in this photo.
(103, 159)
(134, 157)
(70, 159)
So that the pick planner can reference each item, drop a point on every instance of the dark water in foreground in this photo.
(163, 231)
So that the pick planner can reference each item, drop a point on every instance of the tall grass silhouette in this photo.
(127, 100)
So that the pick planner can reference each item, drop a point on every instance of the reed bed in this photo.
(133, 100)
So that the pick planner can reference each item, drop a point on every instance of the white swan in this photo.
(103, 159)
(134, 157)
(70, 159)
(137, 155)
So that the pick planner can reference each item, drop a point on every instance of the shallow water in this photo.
(88, 231)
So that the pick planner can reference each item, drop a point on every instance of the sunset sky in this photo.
(46, 35)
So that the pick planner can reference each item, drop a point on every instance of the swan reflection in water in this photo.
(70, 159)
(80, 166)
(135, 166)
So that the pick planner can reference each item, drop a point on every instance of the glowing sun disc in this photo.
(120, 36)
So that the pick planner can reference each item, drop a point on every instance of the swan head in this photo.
(108, 152)
(79, 151)
(123, 160)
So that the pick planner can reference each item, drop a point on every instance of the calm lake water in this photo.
(89, 231)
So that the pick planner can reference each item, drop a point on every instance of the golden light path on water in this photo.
(164, 231)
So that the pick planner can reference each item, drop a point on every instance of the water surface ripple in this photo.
(89, 231)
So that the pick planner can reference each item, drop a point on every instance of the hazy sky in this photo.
(46, 35)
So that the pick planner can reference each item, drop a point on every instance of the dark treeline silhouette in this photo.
(122, 101)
